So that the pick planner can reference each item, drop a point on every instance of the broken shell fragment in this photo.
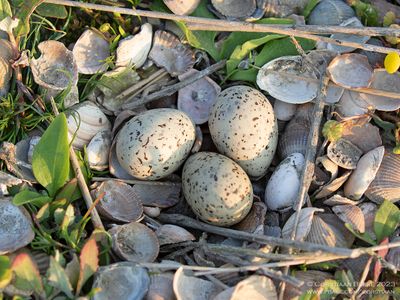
(351, 214)
(254, 219)
(344, 154)
(162, 196)
(172, 234)
(351, 104)
(182, 7)
(332, 186)
(98, 150)
(365, 136)
(304, 224)
(330, 12)
(161, 287)
(232, 9)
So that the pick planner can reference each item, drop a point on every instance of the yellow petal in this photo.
(392, 62)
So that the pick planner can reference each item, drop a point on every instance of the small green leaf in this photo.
(23, 11)
(50, 10)
(58, 278)
(68, 191)
(332, 130)
(26, 274)
(89, 262)
(387, 219)
(27, 196)
(50, 160)
(72, 271)
(309, 7)
(389, 19)
(5, 271)
(5, 9)
(44, 213)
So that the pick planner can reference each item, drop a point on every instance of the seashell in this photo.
(152, 212)
(98, 150)
(232, 9)
(356, 266)
(134, 242)
(350, 70)
(7, 180)
(120, 202)
(68, 99)
(332, 186)
(284, 111)
(42, 261)
(56, 68)
(197, 99)
(17, 156)
(277, 73)
(337, 224)
(386, 184)
(344, 154)
(340, 200)
(375, 59)
(172, 234)
(161, 287)
(365, 136)
(188, 287)
(171, 26)
(162, 196)
(364, 174)
(182, 7)
(330, 12)
(114, 166)
(33, 141)
(382, 80)
(312, 279)
(284, 184)
(304, 225)
(393, 256)
(351, 214)
(5, 77)
(369, 210)
(84, 121)
(254, 219)
(90, 52)
(329, 166)
(351, 104)
(122, 280)
(169, 53)
(6, 50)
(255, 287)
(15, 227)
(133, 50)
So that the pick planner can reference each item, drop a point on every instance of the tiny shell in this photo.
(284, 111)
(152, 212)
(330, 12)
(325, 234)
(344, 154)
(133, 50)
(169, 53)
(161, 287)
(365, 136)
(90, 52)
(303, 226)
(350, 70)
(283, 186)
(182, 7)
(172, 234)
(232, 9)
(351, 214)
(98, 150)
(364, 174)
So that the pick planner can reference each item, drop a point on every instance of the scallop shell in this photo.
(232, 9)
(365, 136)
(15, 227)
(350, 70)
(134, 242)
(330, 12)
(161, 287)
(344, 154)
(98, 150)
(169, 53)
(121, 280)
(182, 7)
(332, 186)
(364, 174)
(356, 266)
(351, 214)
(304, 225)
(284, 111)
(382, 80)
(351, 104)
(333, 221)
(56, 68)
(197, 99)
(340, 200)
(120, 202)
(133, 50)
(386, 184)
(276, 73)
(5, 77)
(90, 52)
(172, 234)
(254, 219)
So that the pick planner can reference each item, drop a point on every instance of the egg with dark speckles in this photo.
(155, 143)
(217, 189)
(243, 127)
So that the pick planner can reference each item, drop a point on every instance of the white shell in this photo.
(133, 50)
(330, 12)
(243, 127)
(154, 144)
(284, 111)
(33, 141)
(235, 9)
(216, 188)
(283, 186)
(182, 7)
(98, 150)
(171, 234)
(351, 104)
(84, 121)
(90, 51)
(364, 174)
(303, 226)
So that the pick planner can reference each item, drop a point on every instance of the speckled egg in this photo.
(154, 144)
(217, 189)
(243, 127)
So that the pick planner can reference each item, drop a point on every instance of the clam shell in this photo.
(152, 212)
(344, 154)
(351, 104)
(284, 111)
(71, 98)
(120, 202)
(296, 90)
(332, 186)
(15, 227)
(134, 242)
(169, 53)
(197, 99)
(386, 184)
(18, 157)
(382, 80)
(98, 150)
(364, 174)
(55, 68)
(330, 12)
(5, 77)
(254, 219)
(162, 196)
(172, 234)
(340, 200)
(182, 7)
(90, 52)
(334, 221)
(133, 50)
(365, 136)
(375, 59)
(329, 166)
(121, 281)
(303, 226)
(350, 70)
(232, 9)
(161, 287)
(351, 214)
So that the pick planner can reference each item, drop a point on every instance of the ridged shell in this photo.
(120, 202)
(90, 52)
(340, 200)
(332, 186)
(334, 221)
(365, 136)
(351, 104)
(350, 70)
(169, 53)
(172, 234)
(161, 287)
(235, 9)
(134, 242)
(386, 184)
(356, 265)
(182, 7)
(304, 224)
(98, 150)
(351, 214)
(344, 154)
(324, 234)
(121, 280)
(277, 73)
(330, 12)
(284, 111)
(364, 174)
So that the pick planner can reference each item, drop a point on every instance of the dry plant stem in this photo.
(282, 277)
(81, 180)
(134, 181)
(169, 90)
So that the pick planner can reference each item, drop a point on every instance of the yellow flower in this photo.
(392, 62)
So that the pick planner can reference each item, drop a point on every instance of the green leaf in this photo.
(68, 191)
(26, 274)
(387, 219)
(5, 9)
(27, 196)
(366, 237)
(50, 10)
(5, 271)
(366, 12)
(58, 278)
(89, 262)
(309, 7)
(389, 19)
(44, 213)
(50, 160)
(23, 11)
